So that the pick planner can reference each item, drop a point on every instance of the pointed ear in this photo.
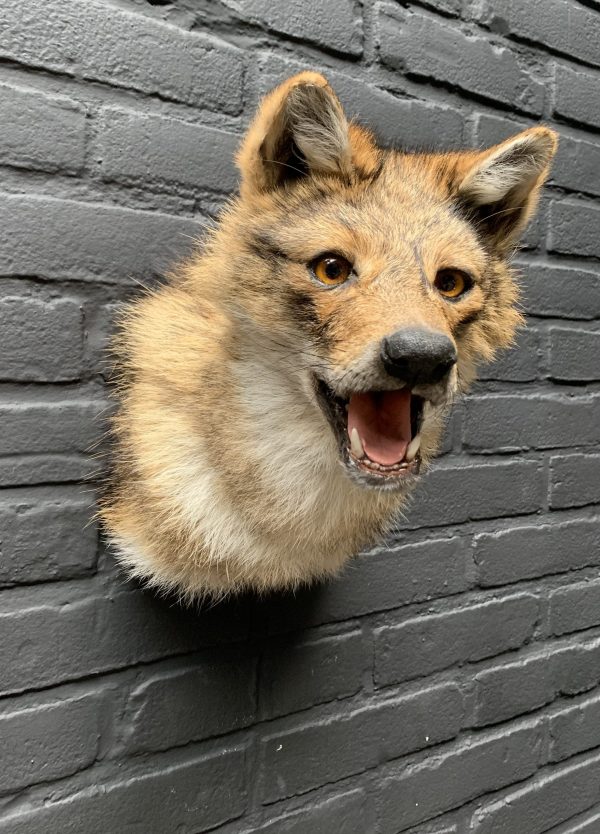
(300, 128)
(500, 187)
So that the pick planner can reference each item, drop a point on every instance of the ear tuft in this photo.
(501, 186)
(319, 128)
(300, 127)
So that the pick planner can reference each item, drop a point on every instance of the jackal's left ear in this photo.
(300, 128)
(500, 187)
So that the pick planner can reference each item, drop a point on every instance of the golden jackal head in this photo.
(347, 294)
(390, 267)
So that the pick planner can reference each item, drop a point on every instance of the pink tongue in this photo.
(382, 419)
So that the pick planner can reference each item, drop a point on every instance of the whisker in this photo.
(496, 213)
(286, 165)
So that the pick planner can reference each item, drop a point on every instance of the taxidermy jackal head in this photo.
(280, 394)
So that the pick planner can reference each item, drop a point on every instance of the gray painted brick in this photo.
(588, 823)
(490, 130)
(390, 577)
(100, 325)
(510, 423)
(513, 688)
(346, 814)
(564, 292)
(573, 229)
(535, 232)
(577, 165)
(134, 51)
(63, 636)
(565, 27)
(574, 354)
(426, 644)
(579, 669)
(455, 777)
(40, 341)
(53, 238)
(46, 536)
(175, 796)
(42, 132)
(436, 827)
(577, 95)
(575, 607)
(335, 25)
(574, 728)
(50, 424)
(427, 47)
(297, 760)
(576, 667)
(405, 123)
(206, 698)
(517, 364)
(541, 804)
(297, 677)
(137, 147)
(450, 495)
(452, 7)
(52, 739)
(46, 468)
(574, 480)
(532, 550)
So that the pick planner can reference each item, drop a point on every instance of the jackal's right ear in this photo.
(500, 187)
(300, 128)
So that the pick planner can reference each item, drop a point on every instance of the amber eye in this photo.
(452, 282)
(331, 269)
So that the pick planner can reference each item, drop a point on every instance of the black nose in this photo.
(418, 356)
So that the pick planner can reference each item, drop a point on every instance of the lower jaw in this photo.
(397, 477)
(389, 478)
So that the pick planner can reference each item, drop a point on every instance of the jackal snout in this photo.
(418, 356)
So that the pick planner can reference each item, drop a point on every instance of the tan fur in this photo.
(227, 474)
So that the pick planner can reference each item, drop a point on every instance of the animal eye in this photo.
(331, 269)
(452, 282)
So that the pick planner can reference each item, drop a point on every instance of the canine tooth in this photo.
(355, 444)
(413, 448)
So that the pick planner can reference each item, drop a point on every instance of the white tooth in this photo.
(355, 444)
(413, 448)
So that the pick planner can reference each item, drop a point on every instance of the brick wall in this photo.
(451, 681)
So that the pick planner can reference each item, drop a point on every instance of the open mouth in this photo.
(378, 432)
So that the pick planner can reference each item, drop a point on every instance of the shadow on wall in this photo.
(215, 668)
